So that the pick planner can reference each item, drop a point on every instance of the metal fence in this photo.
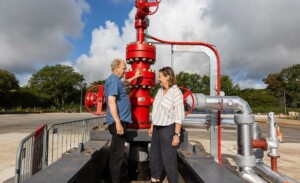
(47, 144)
(65, 136)
(31, 154)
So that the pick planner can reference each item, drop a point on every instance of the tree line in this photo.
(59, 87)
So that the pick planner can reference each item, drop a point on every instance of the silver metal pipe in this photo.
(244, 134)
(256, 132)
(273, 141)
(245, 127)
(245, 121)
(250, 176)
(260, 168)
(266, 172)
(221, 103)
(258, 152)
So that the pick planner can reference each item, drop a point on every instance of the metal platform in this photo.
(89, 162)
(75, 166)
(203, 168)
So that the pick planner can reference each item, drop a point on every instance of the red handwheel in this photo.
(95, 101)
(186, 94)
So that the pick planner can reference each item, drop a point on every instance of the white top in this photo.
(168, 108)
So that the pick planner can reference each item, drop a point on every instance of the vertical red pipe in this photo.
(274, 164)
(141, 55)
(140, 35)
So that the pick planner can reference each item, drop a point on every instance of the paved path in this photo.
(26, 123)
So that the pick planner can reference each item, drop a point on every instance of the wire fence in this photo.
(47, 144)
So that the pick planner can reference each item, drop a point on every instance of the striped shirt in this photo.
(168, 108)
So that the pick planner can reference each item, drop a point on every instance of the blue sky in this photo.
(254, 38)
(100, 11)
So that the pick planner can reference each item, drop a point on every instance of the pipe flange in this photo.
(273, 154)
(245, 161)
(244, 119)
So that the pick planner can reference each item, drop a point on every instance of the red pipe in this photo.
(213, 48)
(140, 35)
(274, 164)
(200, 44)
(261, 143)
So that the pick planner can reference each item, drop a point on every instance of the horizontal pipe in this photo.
(250, 176)
(264, 171)
(222, 103)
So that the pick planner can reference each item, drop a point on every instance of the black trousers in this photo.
(117, 151)
(163, 154)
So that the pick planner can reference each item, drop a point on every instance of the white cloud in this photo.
(67, 63)
(253, 38)
(35, 32)
(106, 45)
(252, 83)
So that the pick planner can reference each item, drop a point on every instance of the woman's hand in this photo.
(150, 131)
(175, 141)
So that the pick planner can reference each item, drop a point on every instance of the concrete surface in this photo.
(13, 128)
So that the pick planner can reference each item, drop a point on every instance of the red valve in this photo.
(143, 8)
(95, 100)
(187, 93)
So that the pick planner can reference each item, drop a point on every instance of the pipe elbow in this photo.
(238, 104)
(244, 106)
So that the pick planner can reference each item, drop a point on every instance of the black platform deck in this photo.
(203, 168)
(70, 165)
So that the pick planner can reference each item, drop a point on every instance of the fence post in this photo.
(45, 148)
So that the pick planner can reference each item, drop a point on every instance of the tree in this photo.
(229, 87)
(59, 82)
(258, 98)
(99, 82)
(287, 80)
(8, 81)
(198, 84)
(190, 81)
(274, 85)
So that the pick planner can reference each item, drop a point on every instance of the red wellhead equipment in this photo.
(140, 55)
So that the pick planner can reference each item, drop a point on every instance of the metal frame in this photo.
(213, 73)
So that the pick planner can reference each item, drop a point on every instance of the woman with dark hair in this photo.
(167, 117)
